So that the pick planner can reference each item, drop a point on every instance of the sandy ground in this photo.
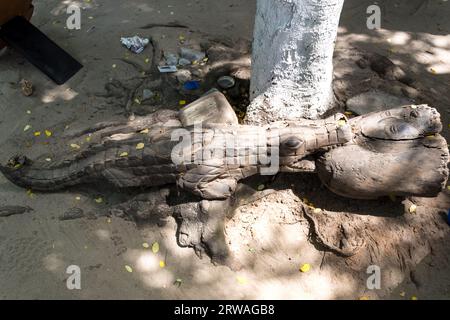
(269, 236)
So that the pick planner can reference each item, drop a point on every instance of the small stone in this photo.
(27, 87)
(183, 76)
(192, 55)
(71, 214)
(147, 94)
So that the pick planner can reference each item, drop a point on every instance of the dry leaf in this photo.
(128, 268)
(75, 146)
(124, 154)
(305, 268)
(140, 146)
(27, 127)
(144, 131)
(155, 247)
(412, 209)
(146, 245)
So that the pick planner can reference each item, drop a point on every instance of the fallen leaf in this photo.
(182, 102)
(317, 210)
(412, 209)
(114, 66)
(140, 146)
(433, 71)
(48, 159)
(178, 282)
(155, 247)
(402, 294)
(261, 187)
(124, 154)
(146, 245)
(364, 298)
(28, 111)
(30, 193)
(145, 131)
(99, 200)
(305, 268)
(37, 133)
(88, 139)
(241, 280)
(342, 123)
(162, 264)
(128, 268)
(147, 60)
(48, 133)
(109, 220)
(414, 298)
(74, 146)
(137, 101)
(78, 198)
(27, 127)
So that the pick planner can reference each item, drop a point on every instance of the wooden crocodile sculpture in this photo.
(395, 152)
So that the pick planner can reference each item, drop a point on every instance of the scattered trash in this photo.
(140, 146)
(167, 69)
(226, 82)
(136, 44)
(192, 55)
(171, 59)
(7, 211)
(71, 214)
(27, 87)
(305, 268)
(448, 217)
(147, 94)
(155, 247)
(192, 85)
(128, 268)
(184, 62)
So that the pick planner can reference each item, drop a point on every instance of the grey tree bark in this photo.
(292, 64)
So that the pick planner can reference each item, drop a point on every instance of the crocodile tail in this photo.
(21, 171)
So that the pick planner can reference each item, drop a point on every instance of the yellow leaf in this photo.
(181, 38)
(88, 139)
(140, 146)
(342, 123)
(412, 209)
(74, 146)
(128, 268)
(348, 113)
(182, 102)
(124, 154)
(137, 101)
(433, 71)
(48, 133)
(162, 264)
(241, 280)
(37, 133)
(27, 127)
(317, 210)
(147, 60)
(99, 200)
(305, 268)
(414, 298)
(144, 131)
(364, 298)
(155, 247)
(146, 245)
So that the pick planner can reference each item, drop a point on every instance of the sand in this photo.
(270, 236)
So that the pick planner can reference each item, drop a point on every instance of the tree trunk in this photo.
(292, 64)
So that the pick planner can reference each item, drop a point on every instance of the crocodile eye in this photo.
(292, 143)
